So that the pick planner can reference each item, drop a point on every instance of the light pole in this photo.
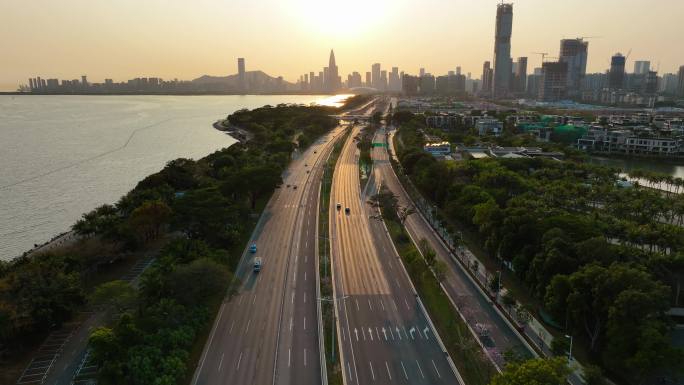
(570, 350)
(498, 289)
(332, 323)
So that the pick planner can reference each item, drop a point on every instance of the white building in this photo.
(438, 149)
(489, 126)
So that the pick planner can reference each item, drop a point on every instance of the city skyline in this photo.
(295, 47)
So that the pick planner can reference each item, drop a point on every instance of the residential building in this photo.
(489, 126)
(520, 79)
(242, 81)
(376, 73)
(680, 82)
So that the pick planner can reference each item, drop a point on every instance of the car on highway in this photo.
(257, 264)
(294, 186)
(339, 206)
(346, 210)
(252, 248)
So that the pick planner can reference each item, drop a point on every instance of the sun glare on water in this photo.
(346, 18)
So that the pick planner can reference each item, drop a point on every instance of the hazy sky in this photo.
(184, 39)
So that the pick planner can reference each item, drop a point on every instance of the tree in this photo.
(119, 295)
(593, 375)
(146, 221)
(560, 346)
(509, 300)
(552, 371)
(202, 278)
(440, 270)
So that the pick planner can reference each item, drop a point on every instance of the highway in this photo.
(267, 333)
(384, 335)
(497, 336)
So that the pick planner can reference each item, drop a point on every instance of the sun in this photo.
(341, 19)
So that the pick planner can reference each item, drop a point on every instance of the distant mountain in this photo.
(256, 81)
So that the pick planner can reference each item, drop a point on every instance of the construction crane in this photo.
(543, 55)
(590, 37)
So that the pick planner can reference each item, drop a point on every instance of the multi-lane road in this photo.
(385, 337)
(268, 332)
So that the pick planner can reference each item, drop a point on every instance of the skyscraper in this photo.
(554, 81)
(332, 81)
(574, 52)
(422, 72)
(242, 85)
(521, 75)
(487, 76)
(641, 67)
(84, 81)
(369, 80)
(680, 83)
(375, 69)
(616, 76)
(502, 50)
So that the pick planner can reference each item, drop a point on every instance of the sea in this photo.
(62, 156)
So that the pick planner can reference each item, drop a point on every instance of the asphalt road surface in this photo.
(497, 336)
(268, 332)
(384, 336)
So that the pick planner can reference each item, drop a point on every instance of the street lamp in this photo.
(498, 289)
(332, 322)
(570, 350)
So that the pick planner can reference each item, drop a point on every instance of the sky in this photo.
(184, 39)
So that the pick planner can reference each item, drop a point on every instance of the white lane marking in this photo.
(404, 368)
(343, 335)
(306, 258)
(356, 332)
(292, 297)
(376, 333)
(363, 332)
(357, 305)
(425, 331)
(254, 300)
(304, 297)
(221, 362)
(395, 305)
(369, 305)
(289, 354)
(241, 298)
(231, 327)
(304, 323)
(382, 305)
(435, 366)
(304, 357)
(305, 275)
(239, 360)
(349, 369)
(370, 333)
(406, 302)
(388, 371)
(420, 369)
(398, 332)
(290, 323)
(371, 368)
(249, 322)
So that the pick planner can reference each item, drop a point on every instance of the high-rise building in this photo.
(641, 67)
(680, 82)
(616, 76)
(487, 77)
(376, 73)
(242, 81)
(575, 52)
(650, 85)
(502, 50)
(554, 81)
(84, 81)
(422, 72)
(409, 85)
(521, 75)
(332, 81)
(458, 70)
(369, 79)
(394, 80)
(383, 80)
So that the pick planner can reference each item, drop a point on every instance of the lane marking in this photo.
(239, 360)
(231, 327)
(349, 369)
(221, 362)
(435, 366)
(369, 304)
(289, 360)
(305, 275)
(420, 369)
(304, 323)
(241, 298)
(254, 300)
(371, 368)
(292, 297)
(382, 305)
(376, 333)
(370, 333)
(304, 297)
(407, 305)
(290, 323)
(305, 357)
(404, 368)
(357, 304)
(249, 322)
(388, 371)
